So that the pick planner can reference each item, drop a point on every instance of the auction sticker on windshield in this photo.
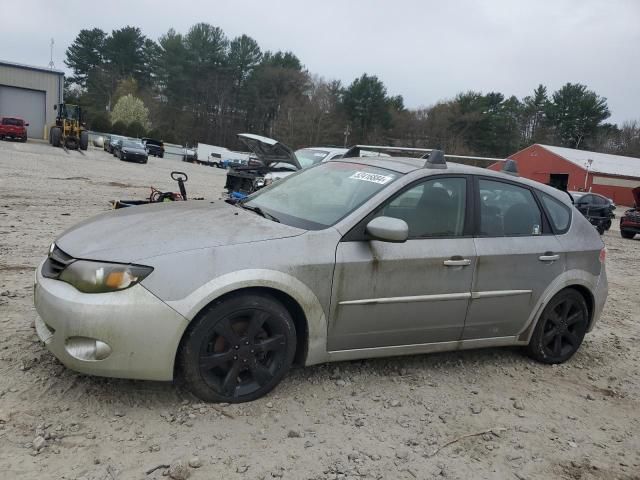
(371, 177)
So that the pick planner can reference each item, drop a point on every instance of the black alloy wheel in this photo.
(561, 328)
(238, 349)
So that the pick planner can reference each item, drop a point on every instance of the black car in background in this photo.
(110, 143)
(598, 209)
(131, 150)
(154, 147)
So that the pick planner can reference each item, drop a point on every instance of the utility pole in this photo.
(51, 64)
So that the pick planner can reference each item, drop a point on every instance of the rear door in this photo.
(518, 257)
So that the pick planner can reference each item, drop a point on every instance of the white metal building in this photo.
(30, 93)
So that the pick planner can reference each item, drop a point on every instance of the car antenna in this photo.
(510, 167)
(435, 160)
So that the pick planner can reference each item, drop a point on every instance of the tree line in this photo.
(201, 86)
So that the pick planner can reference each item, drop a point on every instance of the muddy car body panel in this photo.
(351, 295)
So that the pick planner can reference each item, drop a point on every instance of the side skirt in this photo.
(396, 350)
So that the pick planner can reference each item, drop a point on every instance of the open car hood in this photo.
(268, 150)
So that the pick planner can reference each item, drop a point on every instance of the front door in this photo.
(390, 294)
(518, 257)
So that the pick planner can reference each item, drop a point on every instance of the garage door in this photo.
(27, 104)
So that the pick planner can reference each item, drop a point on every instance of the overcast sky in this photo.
(423, 50)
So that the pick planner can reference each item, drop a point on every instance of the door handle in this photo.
(549, 257)
(462, 262)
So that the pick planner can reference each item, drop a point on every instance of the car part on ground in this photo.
(630, 220)
(14, 128)
(157, 196)
(69, 131)
(348, 259)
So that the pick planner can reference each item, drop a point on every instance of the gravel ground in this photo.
(476, 414)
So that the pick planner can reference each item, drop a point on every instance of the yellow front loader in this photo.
(69, 131)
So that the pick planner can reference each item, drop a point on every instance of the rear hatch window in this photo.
(13, 121)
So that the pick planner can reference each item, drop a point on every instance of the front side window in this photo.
(508, 210)
(318, 197)
(434, 208)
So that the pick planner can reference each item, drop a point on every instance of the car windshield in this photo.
(132, 144)
(318, 197)
(310, 156)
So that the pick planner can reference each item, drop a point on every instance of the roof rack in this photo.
(427, 153)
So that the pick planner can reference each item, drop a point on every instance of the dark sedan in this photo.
(598, 209)
(132, 150)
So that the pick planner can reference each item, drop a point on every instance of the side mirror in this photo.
(26, 124)
(388, 229)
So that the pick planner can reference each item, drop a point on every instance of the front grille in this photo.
(56, 263)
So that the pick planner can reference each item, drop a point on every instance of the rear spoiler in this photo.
(434, 158)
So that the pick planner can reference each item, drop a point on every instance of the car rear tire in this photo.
(560, 329)
(238, 349)
(627, 234)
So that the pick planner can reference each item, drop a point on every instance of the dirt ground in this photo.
(476, 414)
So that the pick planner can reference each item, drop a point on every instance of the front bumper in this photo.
(142, 333)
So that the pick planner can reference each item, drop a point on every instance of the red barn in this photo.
(613, 176)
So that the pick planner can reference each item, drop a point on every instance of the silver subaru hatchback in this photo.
(349, 259)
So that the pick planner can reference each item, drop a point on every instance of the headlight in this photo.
(98, 277)
(259, 182)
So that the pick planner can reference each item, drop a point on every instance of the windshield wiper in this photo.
(259, 211)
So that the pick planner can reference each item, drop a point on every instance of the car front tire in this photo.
(560, 329)
(627, 234)
(238, 348)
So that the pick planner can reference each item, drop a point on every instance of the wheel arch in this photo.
(580, 282)
(305, 308)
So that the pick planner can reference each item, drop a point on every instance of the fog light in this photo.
(84, 348)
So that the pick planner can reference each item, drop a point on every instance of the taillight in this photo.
(603, 254)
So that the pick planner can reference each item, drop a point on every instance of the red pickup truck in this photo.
(12, 127)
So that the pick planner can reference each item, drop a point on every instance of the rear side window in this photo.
(508, 210)
(559, 213)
